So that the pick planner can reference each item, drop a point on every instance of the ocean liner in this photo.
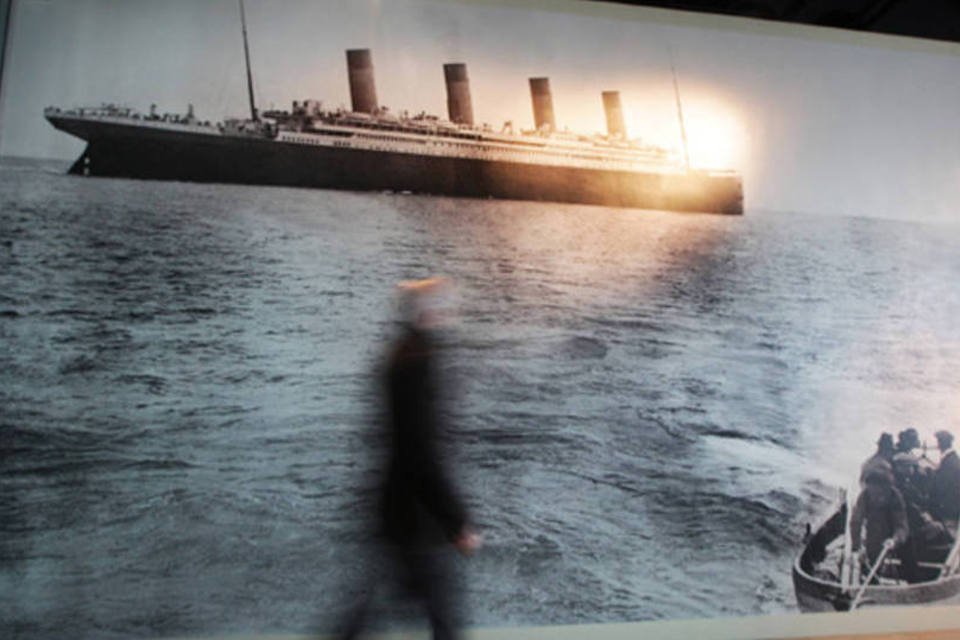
(369, 148)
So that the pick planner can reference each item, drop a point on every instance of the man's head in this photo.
(908, 440)
(885, 445)
(944, 440)
(427, 303)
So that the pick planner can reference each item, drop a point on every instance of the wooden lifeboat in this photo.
(825, 578)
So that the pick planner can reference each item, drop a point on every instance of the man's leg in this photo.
(380, 569)
(908, 560)
(357, 616)
(431, 579)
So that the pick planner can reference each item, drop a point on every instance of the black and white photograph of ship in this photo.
(369, 148)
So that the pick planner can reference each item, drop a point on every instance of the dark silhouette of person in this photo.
(945, 484)
(419, 510)
(879, 461)
(908, 440)
(881, 512)
(906, 475)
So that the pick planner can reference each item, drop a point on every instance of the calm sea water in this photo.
(650, 406)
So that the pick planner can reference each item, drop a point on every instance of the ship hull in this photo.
(131, 151)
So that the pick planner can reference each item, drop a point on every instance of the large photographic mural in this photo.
(207, 208)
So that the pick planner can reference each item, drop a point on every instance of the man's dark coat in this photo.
(945, 489)
(419, 505)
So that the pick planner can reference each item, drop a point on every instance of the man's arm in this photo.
(901, 529)
(856, 521)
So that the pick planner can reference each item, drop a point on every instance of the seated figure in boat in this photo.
(879, 518)
(906, 475)
(910, 484)
(945, 484)
(927, 536)
(908, 442)
(881, 461)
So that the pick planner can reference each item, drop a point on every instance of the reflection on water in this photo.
(652, 404)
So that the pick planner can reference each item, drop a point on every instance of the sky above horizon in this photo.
(860, 126)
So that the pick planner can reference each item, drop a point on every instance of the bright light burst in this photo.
(716, 137)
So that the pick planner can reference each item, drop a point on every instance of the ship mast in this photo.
(683, 128)
(246, 56)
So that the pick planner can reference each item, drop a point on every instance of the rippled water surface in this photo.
(650, 406)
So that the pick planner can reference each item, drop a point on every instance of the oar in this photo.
(856, 601)
(950, 564)
(846, 568)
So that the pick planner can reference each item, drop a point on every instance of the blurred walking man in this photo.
(420, 510)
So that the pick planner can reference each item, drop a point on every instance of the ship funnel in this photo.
(542, 104)
(363, 93)
(611, 105)
(458, 93)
